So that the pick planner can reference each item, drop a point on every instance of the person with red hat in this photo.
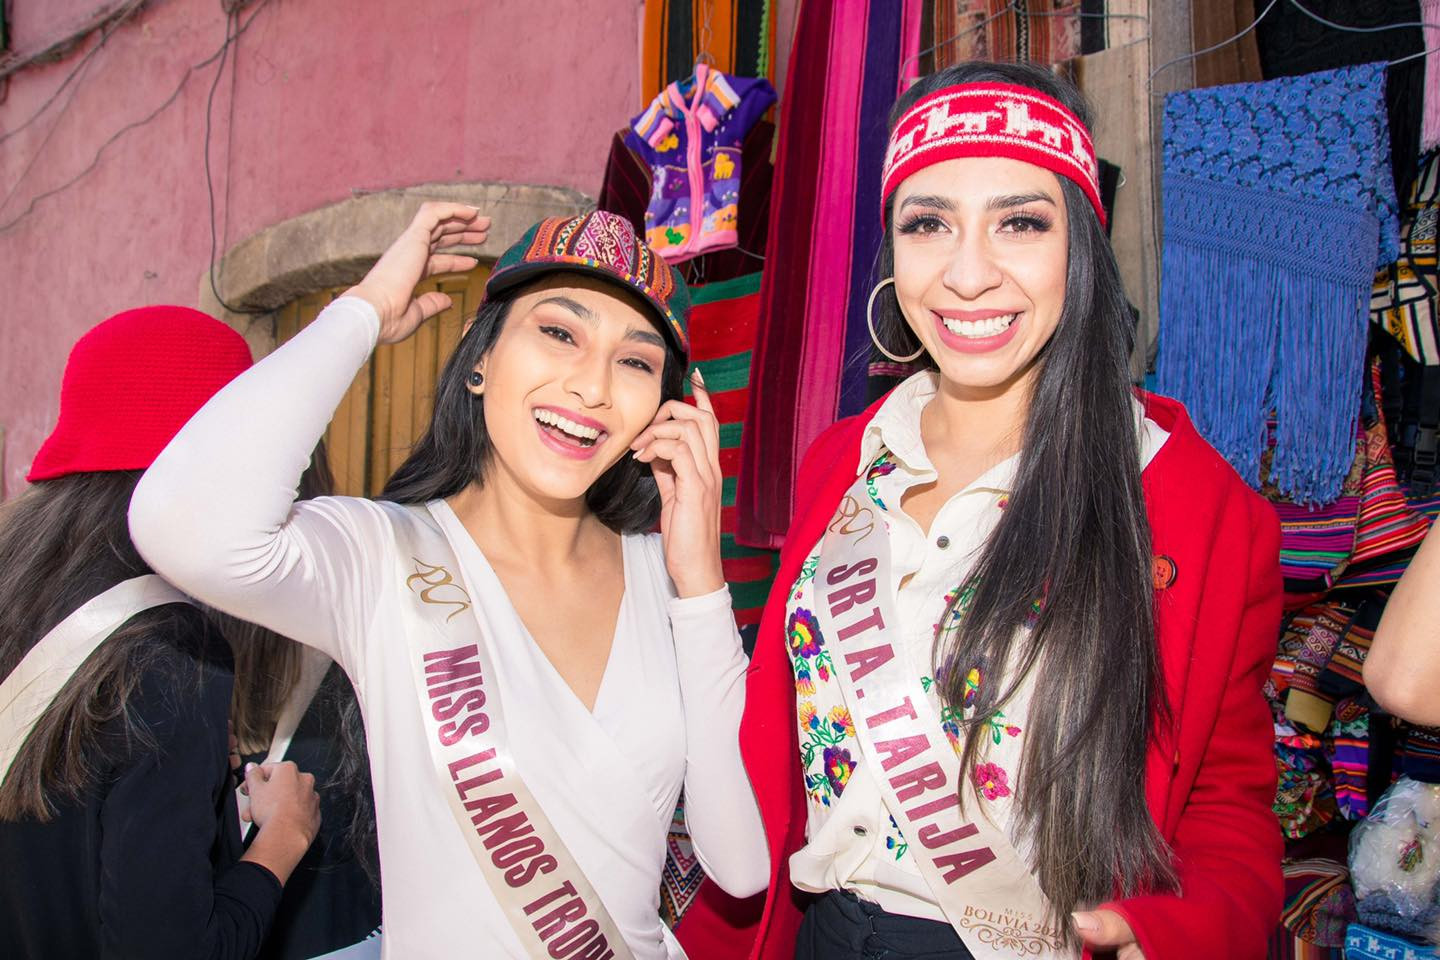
(118, 823)
(540, 673)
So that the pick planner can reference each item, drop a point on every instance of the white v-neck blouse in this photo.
(215, 515)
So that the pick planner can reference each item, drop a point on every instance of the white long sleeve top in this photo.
(216, 515)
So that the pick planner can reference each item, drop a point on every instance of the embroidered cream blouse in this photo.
(853, 843)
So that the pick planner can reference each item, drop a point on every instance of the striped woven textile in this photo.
(1046, 31)
(1386, 524)
(740, 40)
(1315, 545)
(1347, 748)
(1403, 301)
(680, 881)
(723, 320)
(812, 347)
(1319, 905)
(1365, 538)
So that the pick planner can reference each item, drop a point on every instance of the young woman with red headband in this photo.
(1006, 696)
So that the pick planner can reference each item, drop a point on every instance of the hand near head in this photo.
(682, 446)
(416, 255)
(1105, 931)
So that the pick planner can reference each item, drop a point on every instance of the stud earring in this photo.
(477, 380)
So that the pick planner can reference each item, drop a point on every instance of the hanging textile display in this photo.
(1045, 31)
(806, 337)
(884, 42)
(690, 138)
(1406, 304)
(722, 334)
(1319, 905)
(1292, 43)
(734, 36)
(626, 190)
(1220, 27)
(1367, 535)
(1255, 314)
(1404, 300)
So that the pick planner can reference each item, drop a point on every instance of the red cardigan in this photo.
(1210, 777)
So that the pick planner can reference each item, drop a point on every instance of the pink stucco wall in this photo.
(327, 98)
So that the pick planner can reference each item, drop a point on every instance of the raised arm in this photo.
(1402, 671)
(215, 514)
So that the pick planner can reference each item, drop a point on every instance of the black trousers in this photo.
(841, 926)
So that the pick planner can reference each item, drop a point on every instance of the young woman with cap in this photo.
(1023, 615)
(118, 824)
(539, 675)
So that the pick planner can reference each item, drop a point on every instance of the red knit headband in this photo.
(992, 120)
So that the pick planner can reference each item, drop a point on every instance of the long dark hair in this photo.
(1075, 537)
(267, 669)
(455, 448)
(62, 542)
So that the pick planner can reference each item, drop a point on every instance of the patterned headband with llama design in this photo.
(992, 120)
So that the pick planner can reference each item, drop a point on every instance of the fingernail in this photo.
(250, 766)
(1085, 922)
(698, 377)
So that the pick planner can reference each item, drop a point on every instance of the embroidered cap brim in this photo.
(603, 245)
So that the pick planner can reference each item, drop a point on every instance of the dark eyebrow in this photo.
(574, 306)
(1017, 200)
(586, 314)
(928, 200)
(645, 336)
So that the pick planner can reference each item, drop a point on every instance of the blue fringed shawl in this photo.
(1279, 205)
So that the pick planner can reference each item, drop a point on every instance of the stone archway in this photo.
(335, 245)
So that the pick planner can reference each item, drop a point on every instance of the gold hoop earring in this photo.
(870, 325)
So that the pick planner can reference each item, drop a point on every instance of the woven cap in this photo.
(604, 245)
(131, 383)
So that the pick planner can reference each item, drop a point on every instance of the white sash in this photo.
(313, 667)
(978, 879)
(547, 899)
(33, 685)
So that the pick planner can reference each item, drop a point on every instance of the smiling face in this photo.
(981, 253)
(572, 379)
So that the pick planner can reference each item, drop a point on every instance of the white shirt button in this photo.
(942, 541)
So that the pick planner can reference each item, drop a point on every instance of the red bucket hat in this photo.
(131, 383)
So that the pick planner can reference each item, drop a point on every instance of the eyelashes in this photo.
(1016, 223)
(564, 336)
(1028, 223)
(919, 223)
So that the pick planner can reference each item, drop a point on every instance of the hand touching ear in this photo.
(682, 446)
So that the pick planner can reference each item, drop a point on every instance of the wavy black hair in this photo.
(455, 448)
(1076, 536)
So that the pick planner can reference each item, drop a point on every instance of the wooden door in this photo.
(388, 405)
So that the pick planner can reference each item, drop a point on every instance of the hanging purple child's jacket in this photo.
(691, 141)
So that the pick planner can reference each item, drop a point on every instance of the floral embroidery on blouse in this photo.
(827, 760)
(829, 751)
(895, 841)
(883, 466)
(807, 573)
(992, 781)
